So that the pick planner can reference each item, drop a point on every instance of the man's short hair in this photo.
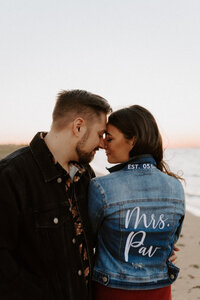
(78, 103)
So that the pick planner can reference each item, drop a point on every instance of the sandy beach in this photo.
(187, 286)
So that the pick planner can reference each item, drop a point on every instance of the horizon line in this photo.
(169, 146)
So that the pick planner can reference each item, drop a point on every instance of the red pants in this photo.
(105, 293)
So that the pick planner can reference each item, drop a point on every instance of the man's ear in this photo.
(79, 127)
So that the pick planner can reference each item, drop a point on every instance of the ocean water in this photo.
(185, 162)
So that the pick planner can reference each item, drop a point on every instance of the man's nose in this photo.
(102, 144)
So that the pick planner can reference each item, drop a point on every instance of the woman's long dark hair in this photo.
(136, 121)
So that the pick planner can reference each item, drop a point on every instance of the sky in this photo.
(144, 52)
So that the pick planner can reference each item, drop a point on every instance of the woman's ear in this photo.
(79, 127)
(132, 141)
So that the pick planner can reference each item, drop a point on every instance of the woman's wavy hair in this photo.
(136, 121)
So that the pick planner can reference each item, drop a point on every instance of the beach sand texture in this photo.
(187, 286)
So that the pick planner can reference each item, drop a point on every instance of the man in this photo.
(46, 245)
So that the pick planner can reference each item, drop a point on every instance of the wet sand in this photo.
(187, 286)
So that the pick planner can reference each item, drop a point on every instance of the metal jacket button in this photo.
(59, 180)
(79, 272)
(74, 241)
(55, 220)
(105, 279)
(172, 276)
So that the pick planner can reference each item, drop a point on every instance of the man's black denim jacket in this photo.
(39, 258)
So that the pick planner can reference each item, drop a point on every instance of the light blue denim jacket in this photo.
(137, 213)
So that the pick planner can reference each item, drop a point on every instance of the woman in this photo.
(136, 212)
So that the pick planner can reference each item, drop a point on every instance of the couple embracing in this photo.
(67, 235)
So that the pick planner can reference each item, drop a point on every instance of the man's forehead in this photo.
(102, 123)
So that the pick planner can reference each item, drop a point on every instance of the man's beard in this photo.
(83, 156)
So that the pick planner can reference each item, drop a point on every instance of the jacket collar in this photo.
(44, 158)
(144, 158)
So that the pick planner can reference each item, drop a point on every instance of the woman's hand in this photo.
(173, 257)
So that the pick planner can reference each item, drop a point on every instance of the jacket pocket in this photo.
(52, 227)
(51, 217)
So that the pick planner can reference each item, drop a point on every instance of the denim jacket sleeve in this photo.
(15, 282)
(95, 205)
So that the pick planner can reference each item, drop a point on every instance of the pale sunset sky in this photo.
(144, 52)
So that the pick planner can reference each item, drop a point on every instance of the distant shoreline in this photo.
(6, 149)
(16, 146)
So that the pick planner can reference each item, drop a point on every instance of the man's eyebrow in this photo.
(102, 131)
(107, 133)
